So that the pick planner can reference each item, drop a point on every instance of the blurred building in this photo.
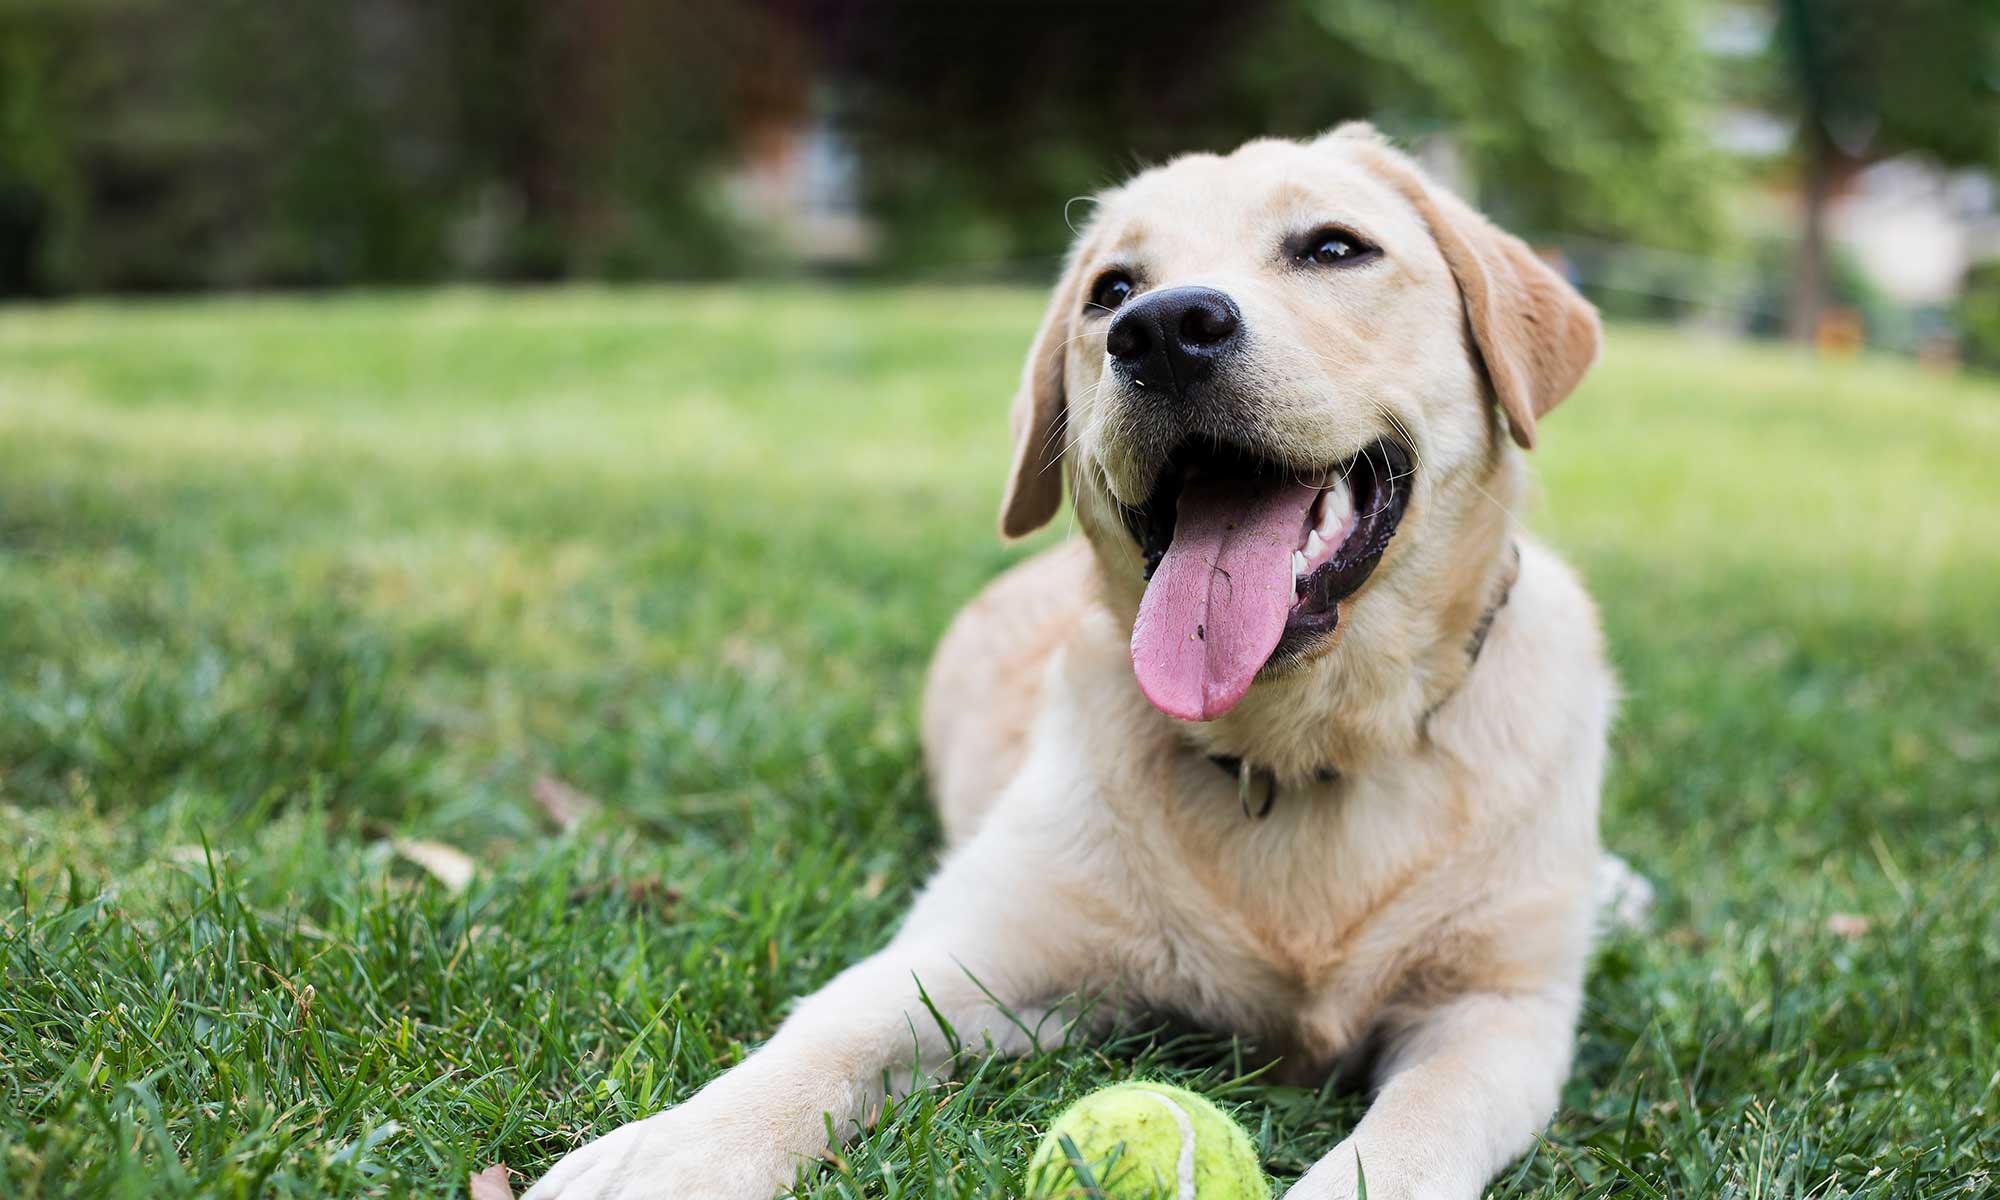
(801, 180)
(1916, 228)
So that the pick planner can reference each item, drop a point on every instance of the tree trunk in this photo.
(1810, 277)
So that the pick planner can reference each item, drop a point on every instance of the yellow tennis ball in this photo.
(1147, 1141)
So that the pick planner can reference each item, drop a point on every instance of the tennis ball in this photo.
(1147, 1141)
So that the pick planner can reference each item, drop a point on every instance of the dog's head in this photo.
(1278, 381)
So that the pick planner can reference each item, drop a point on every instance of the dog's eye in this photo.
(1332, 248)
(1111, 290)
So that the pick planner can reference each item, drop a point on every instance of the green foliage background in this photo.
(173, 144)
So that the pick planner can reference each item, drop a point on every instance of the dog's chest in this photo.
(1299, 922)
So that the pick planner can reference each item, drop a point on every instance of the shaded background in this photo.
(1822, 168)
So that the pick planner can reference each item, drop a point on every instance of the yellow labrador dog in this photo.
(1302, 742)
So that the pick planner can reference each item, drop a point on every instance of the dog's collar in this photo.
(1502, 590)
(1251, 778)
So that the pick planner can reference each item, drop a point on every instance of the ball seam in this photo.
(1184, 1167)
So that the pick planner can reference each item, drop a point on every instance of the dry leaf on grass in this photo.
(565, 805)
(449, 865)
(649, 892)
(491, 1184)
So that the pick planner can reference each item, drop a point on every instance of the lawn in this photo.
(287, 584)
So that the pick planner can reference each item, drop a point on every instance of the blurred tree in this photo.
(343, 164)
(975, 124)
(207, 143)
(1979, 314)
(978, 123)
(200, 143)
(585, 131)
(39, 175)
(1872, 78)
(1575, 116)
(149, 144)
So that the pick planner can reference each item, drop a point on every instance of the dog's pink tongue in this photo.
(1215, 607)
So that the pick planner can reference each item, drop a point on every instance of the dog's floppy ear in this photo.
(1535, 335)
(1034, 486)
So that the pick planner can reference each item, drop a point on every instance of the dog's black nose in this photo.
(1169, 339)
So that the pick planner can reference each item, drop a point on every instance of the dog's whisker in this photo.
(1411, 442)
(1088, 333)
(1055, 440)
(1066, 207)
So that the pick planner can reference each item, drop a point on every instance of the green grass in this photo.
(283, 581)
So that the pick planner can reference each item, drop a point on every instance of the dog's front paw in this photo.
(672, 1155)
(1331, 1178)
(1336, 1177)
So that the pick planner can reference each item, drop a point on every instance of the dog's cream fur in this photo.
(1429, 912)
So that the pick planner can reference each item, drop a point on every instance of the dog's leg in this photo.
(1463, 1089)
(983, 950)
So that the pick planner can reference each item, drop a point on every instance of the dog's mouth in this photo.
(1247, 561)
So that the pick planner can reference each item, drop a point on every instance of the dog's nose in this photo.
(1171, 338)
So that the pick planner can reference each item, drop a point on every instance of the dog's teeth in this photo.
(1335, 508)
(1315, 545)
(1298, 564)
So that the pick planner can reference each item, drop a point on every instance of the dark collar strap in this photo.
(1250, 777)
(1485, 625)
(1247, 776)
